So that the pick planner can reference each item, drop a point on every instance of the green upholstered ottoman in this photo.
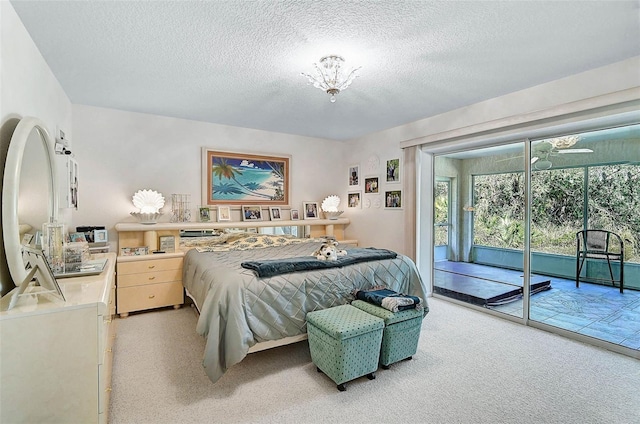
(401, 332)
(344, 343)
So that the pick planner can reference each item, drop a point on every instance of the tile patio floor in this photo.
(592, 310)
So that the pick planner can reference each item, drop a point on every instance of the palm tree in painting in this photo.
(278, 170)
(222, 169)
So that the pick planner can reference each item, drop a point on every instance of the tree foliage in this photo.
(557, 207)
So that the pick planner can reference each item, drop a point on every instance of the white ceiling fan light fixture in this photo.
(564, 142)
(542, 165)
(552, 147)
(330, 75)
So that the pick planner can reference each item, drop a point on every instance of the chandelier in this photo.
(330, 77)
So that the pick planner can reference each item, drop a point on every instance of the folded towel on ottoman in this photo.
(389, 299)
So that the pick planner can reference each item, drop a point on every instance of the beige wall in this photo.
(27, 88)
(121, 152)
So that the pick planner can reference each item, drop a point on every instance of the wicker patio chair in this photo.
(600, 244)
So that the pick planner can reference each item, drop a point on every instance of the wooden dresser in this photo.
(56, 355)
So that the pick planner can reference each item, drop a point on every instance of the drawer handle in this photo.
(151, 266)
(152, 278)
(109, 350)
(151, 296)
(107, 321)
(108, 389)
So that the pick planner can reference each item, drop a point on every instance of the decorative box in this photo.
(344, 343)
(401, 332)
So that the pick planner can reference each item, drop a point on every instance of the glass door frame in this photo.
(426, 229)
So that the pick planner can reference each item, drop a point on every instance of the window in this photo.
(441, 212)
(498, 220)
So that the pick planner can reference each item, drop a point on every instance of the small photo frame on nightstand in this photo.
(167, 244)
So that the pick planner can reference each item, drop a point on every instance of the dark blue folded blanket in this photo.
(271, 267)
(389, 299)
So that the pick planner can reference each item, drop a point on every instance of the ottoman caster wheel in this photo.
(409, 358)
(318, 369)
(371, 376)
(385, 367)
(342, 387)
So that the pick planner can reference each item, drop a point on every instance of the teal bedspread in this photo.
(239, 309)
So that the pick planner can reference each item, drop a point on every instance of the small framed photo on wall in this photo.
(393, 171)
(393, 199)
(310, 210)
(371, 185)
(275, 213)
(224, 213)
(354, 175)
(295, 214)
(354, 199)
(252, 213)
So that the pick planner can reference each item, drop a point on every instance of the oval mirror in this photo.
(30, 135)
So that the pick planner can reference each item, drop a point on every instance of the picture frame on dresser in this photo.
(41, 272)
(100, 236)
(252, 213)
(205, 214)
(224, 213)
(167, 244)
(275, 213)
(310, 210)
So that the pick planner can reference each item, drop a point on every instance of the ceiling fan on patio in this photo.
(545, 149)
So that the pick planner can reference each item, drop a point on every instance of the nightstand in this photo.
(148, 282)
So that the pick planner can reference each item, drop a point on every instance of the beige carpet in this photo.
(470, 368)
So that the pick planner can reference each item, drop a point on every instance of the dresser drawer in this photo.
(137, 267)
(129, 280)
(149, 296)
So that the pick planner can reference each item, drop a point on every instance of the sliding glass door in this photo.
(484, 266)
(588, 181)
(577, 182)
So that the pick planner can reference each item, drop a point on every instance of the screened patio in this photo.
(488, 212)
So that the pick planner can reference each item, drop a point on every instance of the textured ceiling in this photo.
(239, 62)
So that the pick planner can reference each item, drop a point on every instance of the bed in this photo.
(239, 309)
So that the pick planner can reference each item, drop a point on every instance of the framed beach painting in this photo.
(244, 178)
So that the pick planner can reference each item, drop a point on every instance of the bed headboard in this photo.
(132, 234)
